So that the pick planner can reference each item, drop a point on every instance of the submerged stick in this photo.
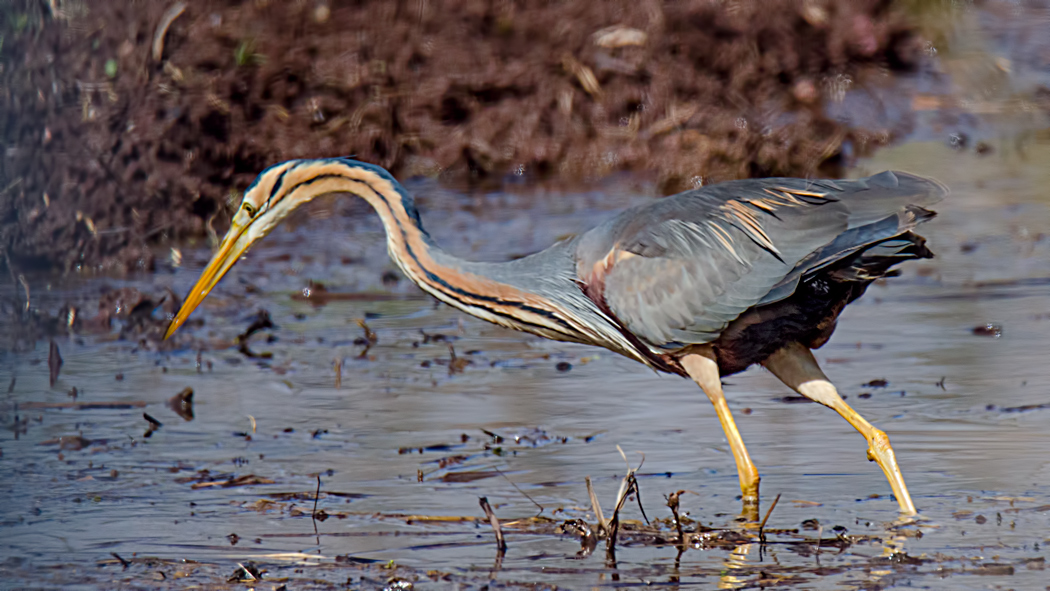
(820, 536)
(501, 544)
(313, 514)
(672, 503)
(54, 363)
(627, 485)
(317, 494)
(123, 562)
(154, 424)
(762, 526)
(603, 525)
(614, 523)
(638, 497)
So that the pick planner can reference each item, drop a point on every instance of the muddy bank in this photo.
(110, 150)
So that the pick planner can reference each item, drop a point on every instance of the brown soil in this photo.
(109, 152)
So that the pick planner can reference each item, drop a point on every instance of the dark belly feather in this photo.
(809, 315)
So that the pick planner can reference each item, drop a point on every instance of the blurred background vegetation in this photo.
(128, 125)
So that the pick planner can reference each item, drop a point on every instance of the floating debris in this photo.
(370, 339)
(435, 337)
(182, 404)
(260, 321)
(1025, 408)
(54, 364)
(246, 573)
(988, 330)
(86, 405)
(456, 364)
(246, 480)
(154, 424)
(469, 476)
(123, 562)
(390, 278)
(792, 399)
(70, 442)
(318, 295)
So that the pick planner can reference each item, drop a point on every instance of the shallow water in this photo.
(402, 436)
(954, 406)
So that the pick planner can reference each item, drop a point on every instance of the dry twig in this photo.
(162, 28)
(628, 485)
(501, 544)
(762, 526)
(603, 525)
(672, 503)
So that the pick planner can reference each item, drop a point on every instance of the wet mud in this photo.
(128, 126)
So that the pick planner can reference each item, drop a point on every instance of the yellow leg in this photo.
(796, 367)
(704, 371)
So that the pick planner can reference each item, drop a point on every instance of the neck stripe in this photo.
(430, 276)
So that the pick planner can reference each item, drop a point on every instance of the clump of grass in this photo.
(245, 54)
(21, 21)
(13, 21)
(20, 16)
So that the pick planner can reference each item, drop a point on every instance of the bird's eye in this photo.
(249, 210)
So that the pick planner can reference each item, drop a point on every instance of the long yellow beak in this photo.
(233, 246)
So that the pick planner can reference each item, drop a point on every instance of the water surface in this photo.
(400, 435)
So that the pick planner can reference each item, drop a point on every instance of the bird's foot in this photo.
(880, 451)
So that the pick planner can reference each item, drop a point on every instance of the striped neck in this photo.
(485, 290)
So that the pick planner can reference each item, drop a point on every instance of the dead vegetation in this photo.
(129, 125)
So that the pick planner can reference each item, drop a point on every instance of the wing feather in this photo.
(703, 257)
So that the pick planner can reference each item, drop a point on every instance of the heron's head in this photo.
(265, 204)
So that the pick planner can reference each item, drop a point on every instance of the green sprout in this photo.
(245, 54)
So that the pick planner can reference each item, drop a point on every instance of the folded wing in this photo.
(676, 272)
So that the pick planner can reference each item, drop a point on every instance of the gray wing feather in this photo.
(876, 197)
(696, 261)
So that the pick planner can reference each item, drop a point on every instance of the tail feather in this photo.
(873, 198)
(879, 259)
(883, 209)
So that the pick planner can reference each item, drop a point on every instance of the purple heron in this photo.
(703, 284)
